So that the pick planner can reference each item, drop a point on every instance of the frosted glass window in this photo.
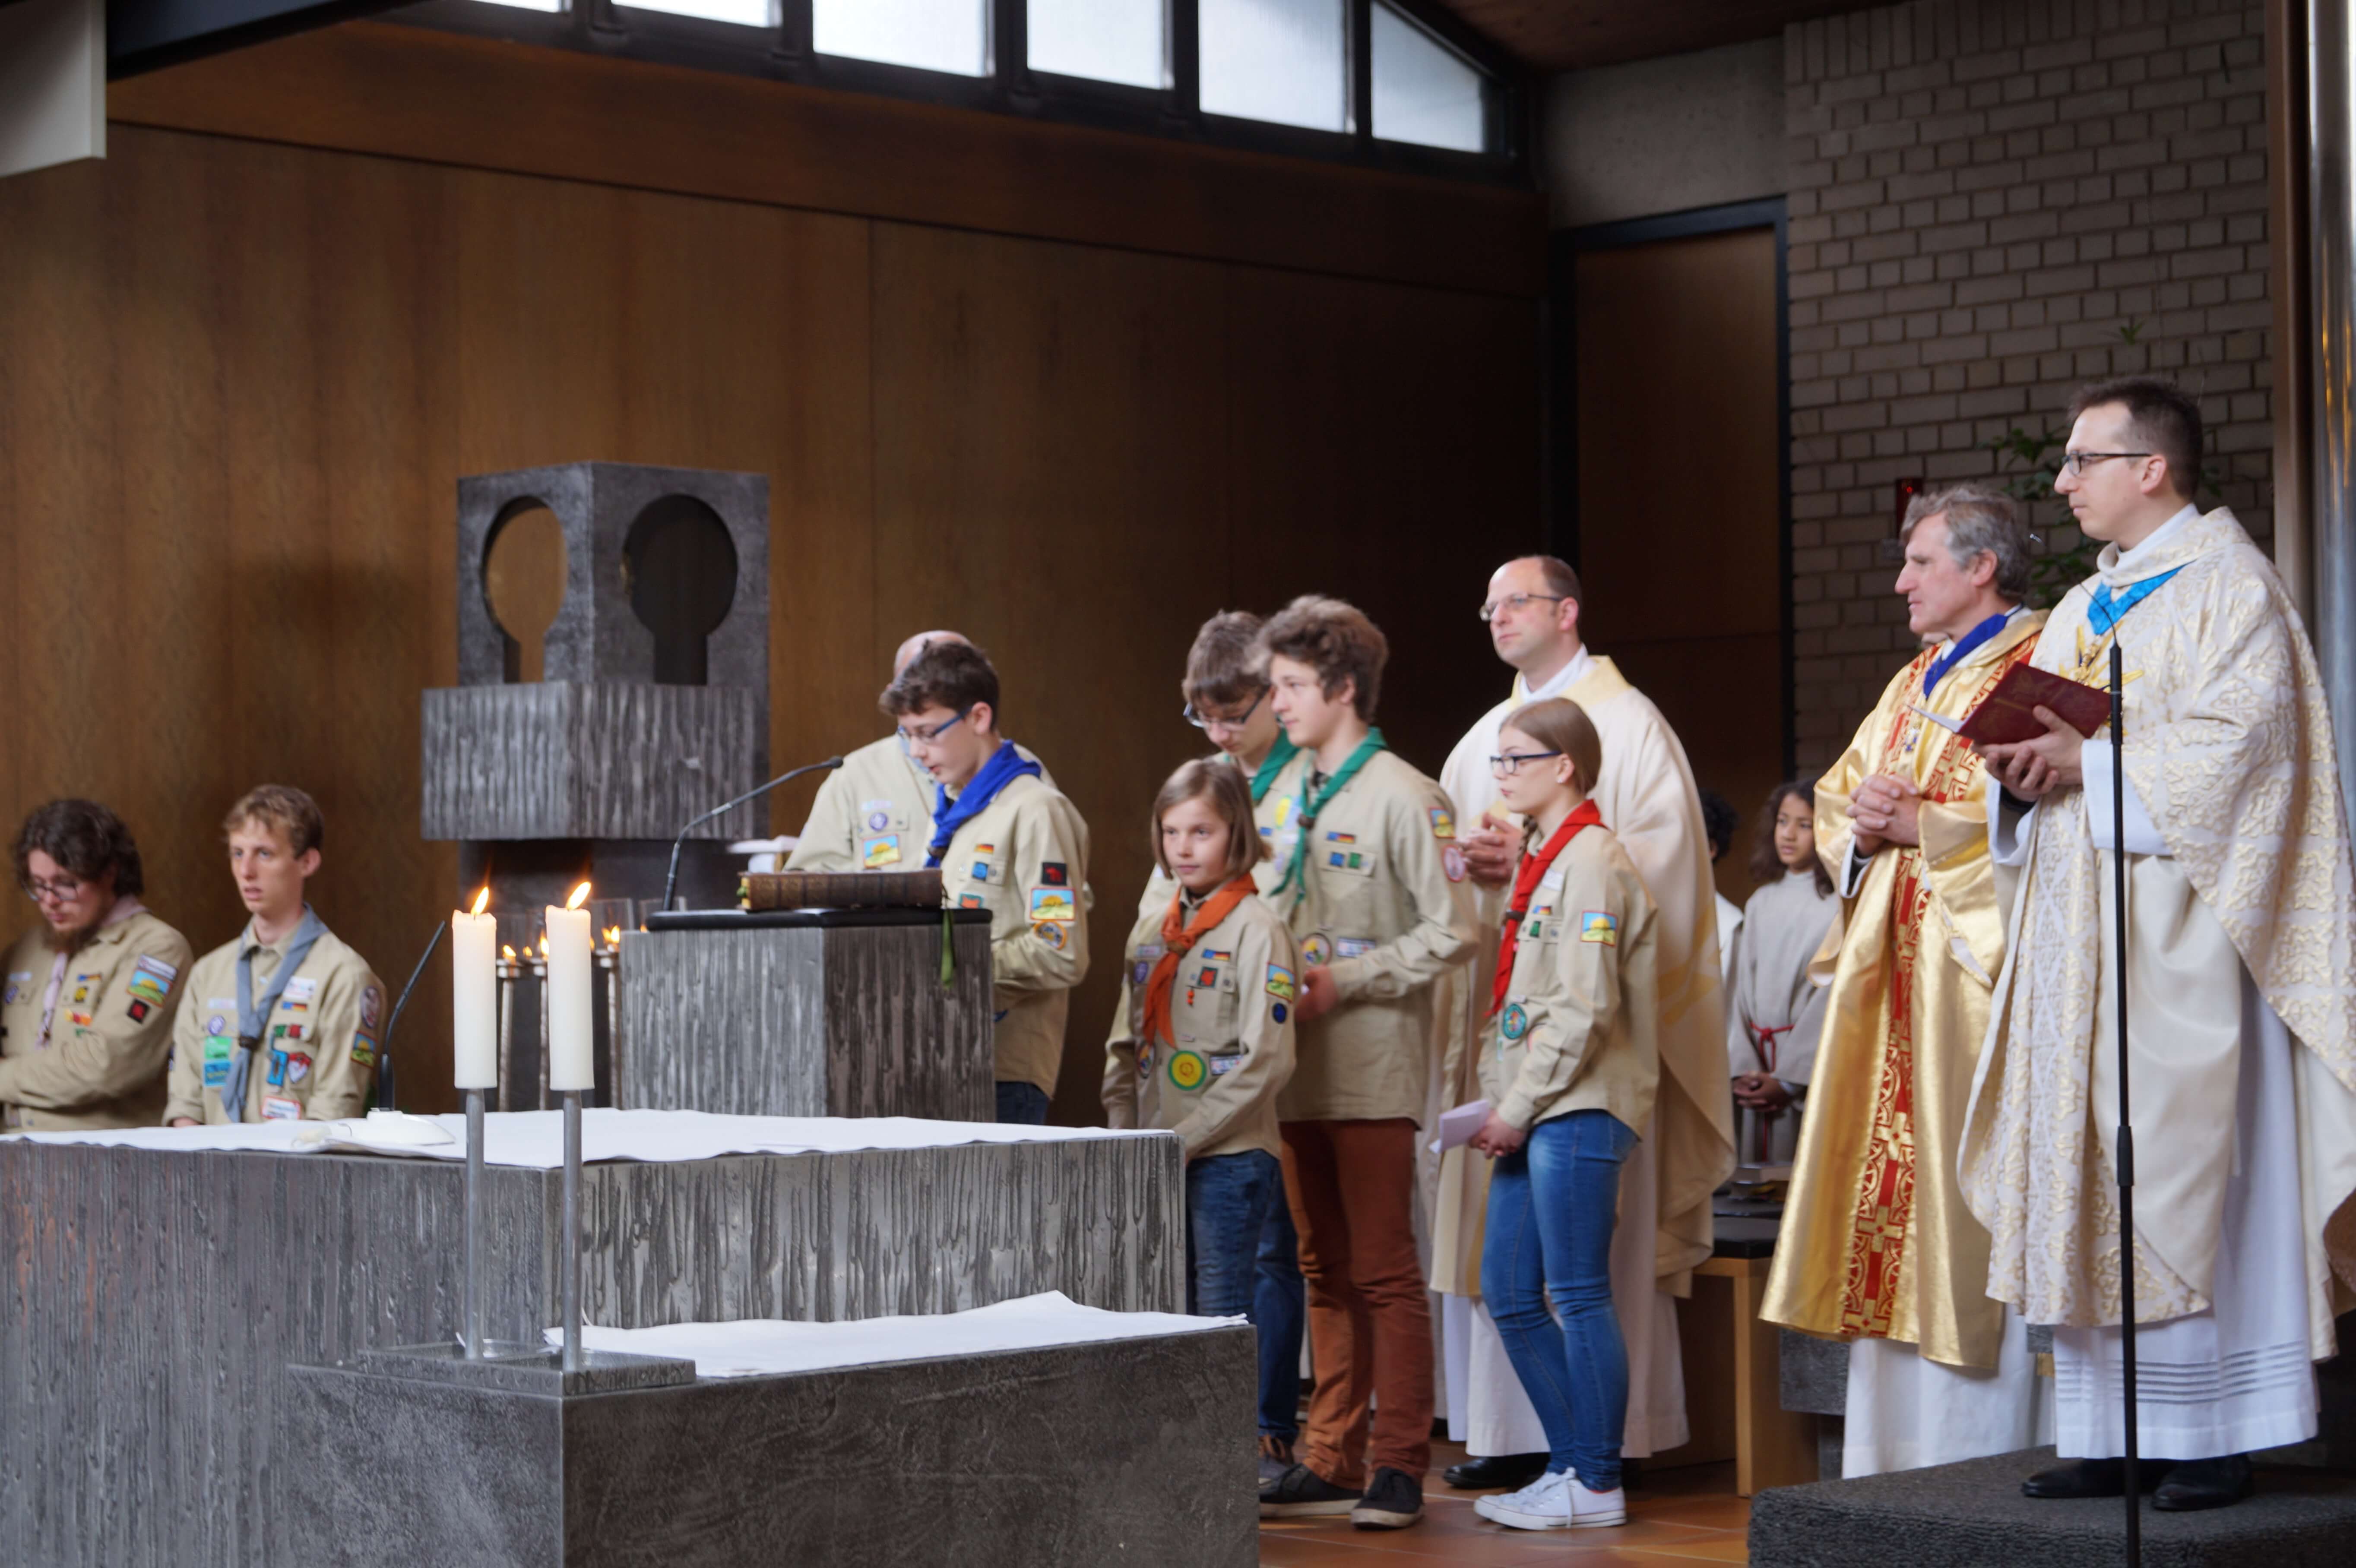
(1424, 91)
(744, 12)
(1104, 40)
(1282, 60)
(934, 35)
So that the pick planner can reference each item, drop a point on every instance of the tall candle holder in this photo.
(509, 966)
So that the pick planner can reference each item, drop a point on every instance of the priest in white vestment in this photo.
(1647, 794)
(2241, 974)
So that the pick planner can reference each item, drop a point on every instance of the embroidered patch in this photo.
(1207, 977)
(363, 1052)
(1052, 935)
(1052, 904)
(277, 1068)
(1443, 822)
(80, 1021)
(1055, 874)
(278, 1108)
(1216, 955)
(878, 853)
(1316, 950)
(372, 1004)
(298, 1068)
(152, 964)
(1221, 1065)
(1346, 860)
(1451, 860)
(1514, 1022)
(1340, 838)
(216, 1049)
(216, 1074)
(1280, 983)
(1187, 1070)
(971, 900)
(303, 988)
(878, 819)
(985, 849)
(138, 1011)
(1279, 1012)
(294, 1005)
(292, 1031)
(1353, 946)
(81, 995)
(980, 872)
(1145, 1057)
(1597, 926)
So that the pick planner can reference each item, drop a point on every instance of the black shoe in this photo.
(1275, 1460)
(2093, 1478)
(1507, 1470)
(1393, 1501)
(1302, 1493)
(2204, 1483)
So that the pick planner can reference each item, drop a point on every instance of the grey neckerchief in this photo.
(253, 1017)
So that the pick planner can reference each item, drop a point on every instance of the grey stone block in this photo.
(1814, 1373)
(815, 1020)
(1132, 1451)
(152, 1301)
(562, 760)
(1971, 1515)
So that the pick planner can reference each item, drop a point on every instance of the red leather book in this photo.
(2004, 716)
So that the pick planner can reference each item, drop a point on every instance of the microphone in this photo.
(671, 877)
(384, 1084)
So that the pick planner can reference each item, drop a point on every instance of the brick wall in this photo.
(1982, 194)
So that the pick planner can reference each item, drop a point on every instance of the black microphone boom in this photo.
(671, 877)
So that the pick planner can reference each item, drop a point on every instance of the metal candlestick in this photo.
(609, 959)
(540, 990)
(476, 1338)
(572, 1229)
(505, 969)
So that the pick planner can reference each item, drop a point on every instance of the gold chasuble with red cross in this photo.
(1876, 1242)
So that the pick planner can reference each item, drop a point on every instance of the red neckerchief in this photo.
(1526, 883)
(1178, 935)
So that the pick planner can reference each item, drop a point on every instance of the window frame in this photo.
(783, 52)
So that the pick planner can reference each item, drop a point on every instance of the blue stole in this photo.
(2104, 608)
(1006, 765)
(1961, 649)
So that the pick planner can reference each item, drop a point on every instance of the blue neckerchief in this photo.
(253, 1016)
(2104, 608)
(1961, 649)
(1006, 765)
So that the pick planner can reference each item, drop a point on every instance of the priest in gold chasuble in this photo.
(1877, 1247)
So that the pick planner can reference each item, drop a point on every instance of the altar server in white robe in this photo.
(1774, 1010)
(1647, 796)
(2241, 973)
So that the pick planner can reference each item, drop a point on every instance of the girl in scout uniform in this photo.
(1204, 1037)
(1569, 1063)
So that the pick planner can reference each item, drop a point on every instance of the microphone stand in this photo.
(2126, 1135)
(384, 1081)
(671, 877)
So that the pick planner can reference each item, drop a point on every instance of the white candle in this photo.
(570, 1042)
(473, 997)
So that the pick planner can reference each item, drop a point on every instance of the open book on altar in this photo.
(2006, 716)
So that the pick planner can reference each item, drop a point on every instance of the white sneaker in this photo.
(1544, 1504)
(1595, 1507)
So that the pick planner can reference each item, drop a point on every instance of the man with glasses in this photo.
(86, 1020)
(1007, 841)
(1647, 796)
(875, 812)
(1875, 1246)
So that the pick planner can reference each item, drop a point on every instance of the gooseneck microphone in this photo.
(671, 877)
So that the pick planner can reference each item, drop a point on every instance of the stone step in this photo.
(1971, 1515)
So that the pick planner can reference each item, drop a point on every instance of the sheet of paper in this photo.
(1457, 1126)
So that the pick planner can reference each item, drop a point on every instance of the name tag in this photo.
(276, 1108)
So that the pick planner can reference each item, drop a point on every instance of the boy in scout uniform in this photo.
(1005, 840)
(1570, 1062)
(1372, 883)
(86, 1017)
(281, 1024)
(875, 812)
(1203, 1040)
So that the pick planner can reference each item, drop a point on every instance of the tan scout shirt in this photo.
(1580, 1027)
(1025, 860)
(1387, 909)
(318, 1055)
(873, 814)
(1231, 1011)
(103, 1063)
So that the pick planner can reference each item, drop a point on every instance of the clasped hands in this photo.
(2031, 770)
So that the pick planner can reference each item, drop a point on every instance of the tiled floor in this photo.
(1675, 1517)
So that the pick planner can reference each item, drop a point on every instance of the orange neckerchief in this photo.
(1526, 883)
(1178, 935)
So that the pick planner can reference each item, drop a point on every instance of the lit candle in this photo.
(570, 1053)
(474, 996)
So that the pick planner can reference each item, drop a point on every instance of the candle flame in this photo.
(482, 900)
(613, 936)
(580, 896)
(509, 954)
(544, 944)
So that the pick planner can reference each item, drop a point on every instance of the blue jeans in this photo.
(1551, 1207)
(1021, 1102)
(1227, 1197)
(1279, 1309)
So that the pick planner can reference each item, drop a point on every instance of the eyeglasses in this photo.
(1514, 603)
(65, 889)
(1511, 763)
(2075, 461)
(1204, 720)
(921, 737)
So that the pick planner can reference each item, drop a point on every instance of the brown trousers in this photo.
(1352, 1187)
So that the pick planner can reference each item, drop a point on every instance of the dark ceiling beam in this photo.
(148, 35)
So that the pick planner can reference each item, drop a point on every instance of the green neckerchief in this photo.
(1305, 810)
(1283, 751)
